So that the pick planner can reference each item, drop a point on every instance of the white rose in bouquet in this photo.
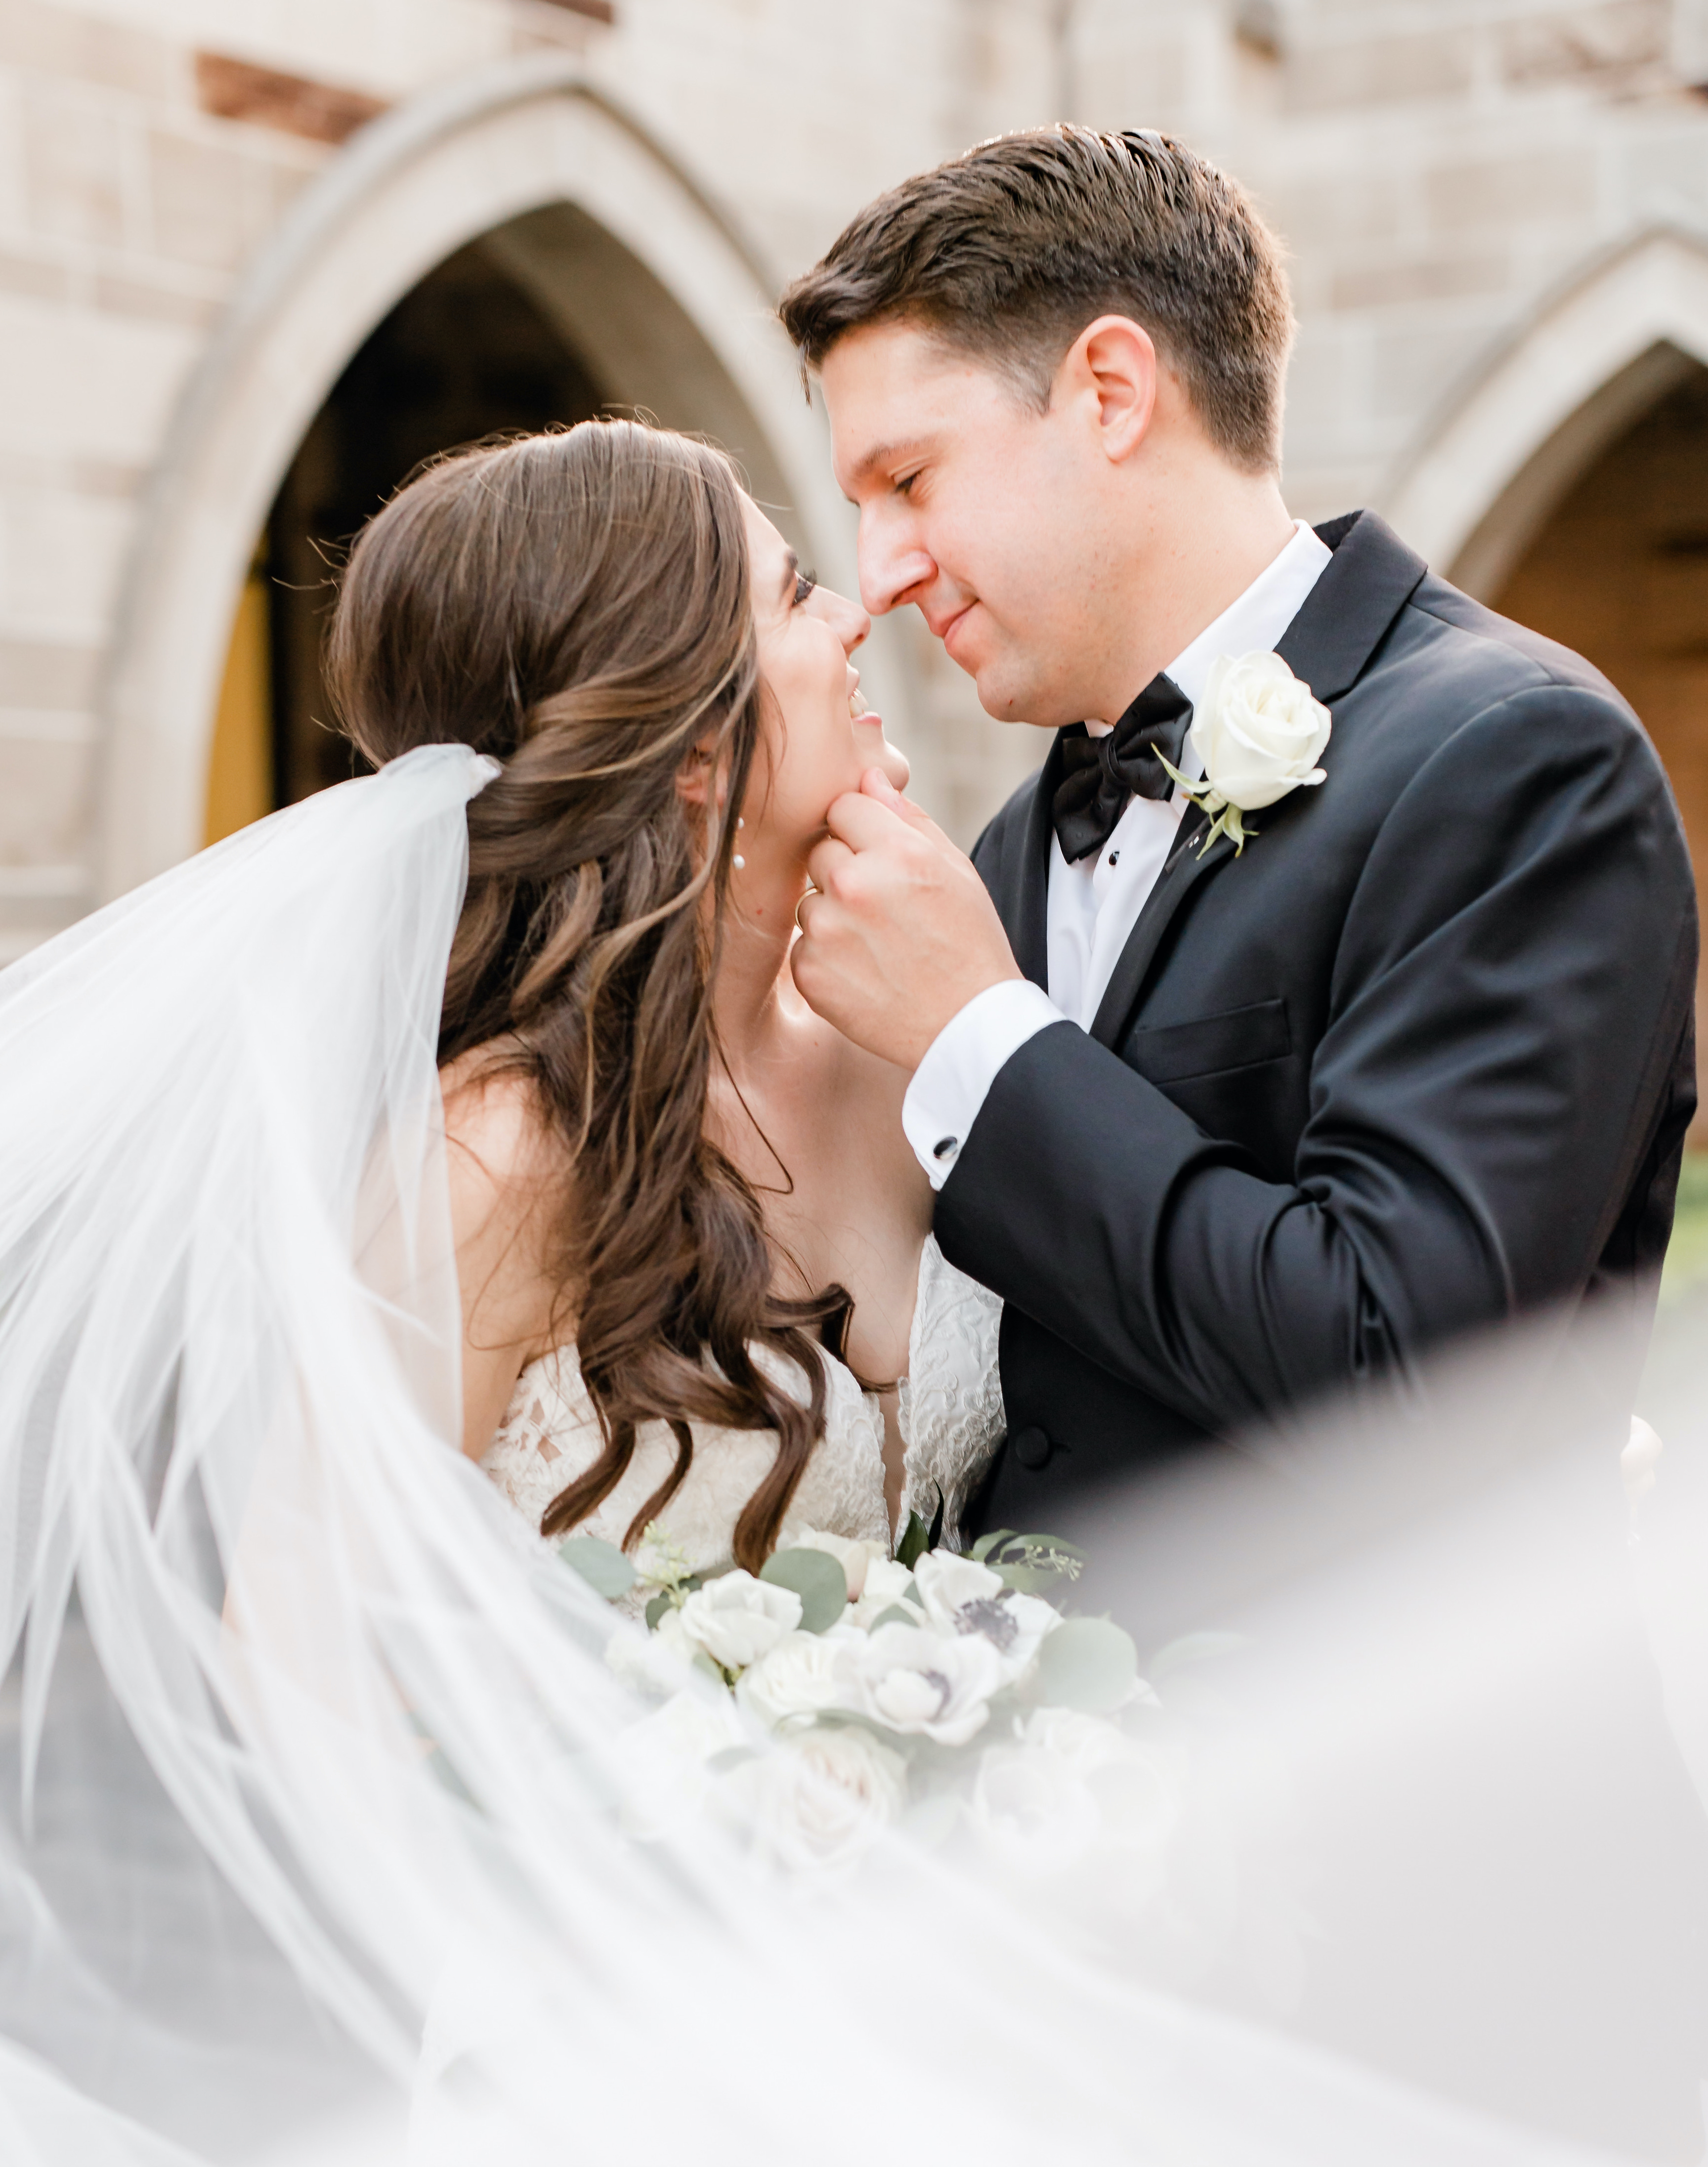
(803, 1675)
(661, 1762)
(961, 1596)
(1032, 1809)
(933, 1684)
(736, 1618)
(854, 1556)
(655, 1662)
(1083, 1743)
(1258, 731)
(886, 1583)
(822, 1797)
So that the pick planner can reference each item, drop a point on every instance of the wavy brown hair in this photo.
(576, 605)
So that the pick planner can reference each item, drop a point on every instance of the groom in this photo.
(1229, 1119)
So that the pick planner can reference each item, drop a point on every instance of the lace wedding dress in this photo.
(950, 1415)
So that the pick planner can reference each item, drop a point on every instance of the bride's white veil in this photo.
(325, 1832)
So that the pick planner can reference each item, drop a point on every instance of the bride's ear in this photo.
(700, 772)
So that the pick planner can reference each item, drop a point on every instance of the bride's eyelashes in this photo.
(805, 582)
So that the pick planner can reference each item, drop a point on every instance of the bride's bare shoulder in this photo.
(508, 1168)
(494, 1119)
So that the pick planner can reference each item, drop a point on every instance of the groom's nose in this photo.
(893, 565)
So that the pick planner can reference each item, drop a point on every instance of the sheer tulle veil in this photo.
(321, 1833)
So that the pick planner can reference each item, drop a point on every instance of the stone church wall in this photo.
(1446, 173)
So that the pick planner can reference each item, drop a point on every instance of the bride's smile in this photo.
(819, 735)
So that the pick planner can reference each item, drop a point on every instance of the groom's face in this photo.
(977, 507)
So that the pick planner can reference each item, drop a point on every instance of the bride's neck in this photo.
(759, 925)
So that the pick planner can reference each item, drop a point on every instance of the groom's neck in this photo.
(1198, 540)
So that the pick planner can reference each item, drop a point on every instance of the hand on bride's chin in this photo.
(902, 934)
(876, 754)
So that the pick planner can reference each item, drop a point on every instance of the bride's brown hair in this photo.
(577, 605)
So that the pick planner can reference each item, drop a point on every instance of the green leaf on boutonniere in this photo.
(816, 1577)
(601, 1564)
(1225, 819)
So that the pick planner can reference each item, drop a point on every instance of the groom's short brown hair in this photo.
(1008, 252)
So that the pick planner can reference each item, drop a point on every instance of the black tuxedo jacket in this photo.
(1420, 1059)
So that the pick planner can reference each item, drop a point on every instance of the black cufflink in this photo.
(944, 1145)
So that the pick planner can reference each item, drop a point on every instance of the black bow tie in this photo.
(1100, 774)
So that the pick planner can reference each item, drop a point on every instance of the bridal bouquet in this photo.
(843, 1691)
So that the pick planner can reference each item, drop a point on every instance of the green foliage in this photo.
(602, 1565)
(916, 1541)
(816, 1577)
(896, 1614)
(656, 1608)
(1031, 1564)
(1086, 1663)
(1687, 1254)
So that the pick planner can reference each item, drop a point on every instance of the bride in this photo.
(699, 1283)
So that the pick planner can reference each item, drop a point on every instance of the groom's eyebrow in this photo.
(887, 455)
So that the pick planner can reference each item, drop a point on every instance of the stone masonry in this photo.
(1435, 166)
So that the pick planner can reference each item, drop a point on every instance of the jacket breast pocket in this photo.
(1211, 1045)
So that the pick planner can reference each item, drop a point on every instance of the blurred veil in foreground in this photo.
(324, 1831)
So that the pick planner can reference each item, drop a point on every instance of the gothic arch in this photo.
(667, 302)
(1511, 440)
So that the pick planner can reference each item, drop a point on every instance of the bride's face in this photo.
(820, 738)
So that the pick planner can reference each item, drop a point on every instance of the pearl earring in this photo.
(740, 864)
(739, 822)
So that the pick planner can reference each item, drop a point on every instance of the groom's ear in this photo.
(1111, 371)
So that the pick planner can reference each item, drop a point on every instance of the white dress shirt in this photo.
(1093, 905)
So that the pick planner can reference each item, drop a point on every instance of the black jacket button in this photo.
(1030, 1448)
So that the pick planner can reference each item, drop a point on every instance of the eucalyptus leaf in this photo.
(1026, 1579)
(655, 1610)
(982, 1549)
(602, 1565)
(816, 1577)
(1086, 1663)
(896, 1615)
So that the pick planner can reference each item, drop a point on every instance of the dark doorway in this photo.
(463, 355)
(1620, 572)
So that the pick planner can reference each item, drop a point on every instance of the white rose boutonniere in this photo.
(1259, 733)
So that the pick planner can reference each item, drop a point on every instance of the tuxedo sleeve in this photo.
(1511, 995)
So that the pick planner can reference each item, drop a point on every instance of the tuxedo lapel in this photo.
(1186, 867)
(1345, 616)
(1364, 587)
(1021, 887)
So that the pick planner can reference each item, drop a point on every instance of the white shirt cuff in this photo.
(961, 1063)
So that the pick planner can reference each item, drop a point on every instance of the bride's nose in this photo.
(851, 623)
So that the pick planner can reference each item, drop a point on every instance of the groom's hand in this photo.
(901, 934)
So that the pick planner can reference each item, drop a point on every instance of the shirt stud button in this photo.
(944, 1145)
(1115, 857)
